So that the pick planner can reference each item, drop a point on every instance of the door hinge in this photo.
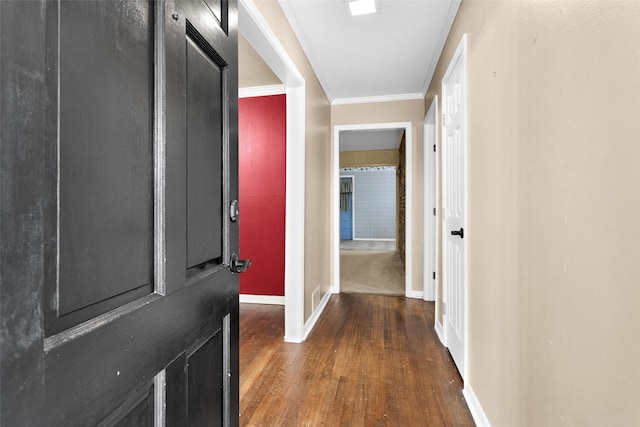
(434, 148)
(444, 118)
(234, 211)
(434, 211)
(444, 308)
(434, 275)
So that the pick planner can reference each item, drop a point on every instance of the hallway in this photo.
(371, 267)
(371, 272)
(370, 360)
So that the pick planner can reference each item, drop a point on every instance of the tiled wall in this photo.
(374, 202)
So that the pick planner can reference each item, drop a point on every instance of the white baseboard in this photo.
(414, 294)
(440, 332)
(308, 326)
(475, 408)
(262, 299)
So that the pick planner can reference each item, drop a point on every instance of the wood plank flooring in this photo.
(370, 361)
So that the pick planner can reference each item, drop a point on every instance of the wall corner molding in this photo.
(414, 294)
(439, 332)
(308, 326)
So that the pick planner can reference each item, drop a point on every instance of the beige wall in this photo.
(397, 111)
(554, 149)
(317, 201)
(252, 70)
(368, 158)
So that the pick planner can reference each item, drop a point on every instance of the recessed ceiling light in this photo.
(362, 7)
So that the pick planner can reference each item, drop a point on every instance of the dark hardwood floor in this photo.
(370, 361)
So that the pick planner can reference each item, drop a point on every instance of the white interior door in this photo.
(454, 204)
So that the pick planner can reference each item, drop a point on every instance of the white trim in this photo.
(259, 34)
(381, 98)
(262, 299)
(295, 194)
(250, 92)
(446, 28)
(460, 55)
(408, 215)
(440, 332)
(308, 327)
(335, 167)
(256, 30)
(479, 417)
(438, 189)
(414, 294)
(430, 138)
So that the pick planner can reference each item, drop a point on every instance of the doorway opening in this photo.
(255, 29)
(430, 135)
(370, 258)
(398, 239)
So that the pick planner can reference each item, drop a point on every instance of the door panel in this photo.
(137, 411)
(216, 7)
(454, 208)
(102, 324)
(105, 152)
(205, 385)
(204, 157)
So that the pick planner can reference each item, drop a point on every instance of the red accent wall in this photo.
(262, 187)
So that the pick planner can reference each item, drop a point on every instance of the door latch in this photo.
(458, 233)
(239, 265)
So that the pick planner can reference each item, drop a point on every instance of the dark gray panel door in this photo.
(119, 160)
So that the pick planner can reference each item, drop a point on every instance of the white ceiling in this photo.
(361, 140)
(388, 55)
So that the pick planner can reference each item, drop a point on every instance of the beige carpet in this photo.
(371, 272)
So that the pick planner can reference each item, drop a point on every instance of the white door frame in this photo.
(256, 30)
(430, 138)
(353, 204)
(408, 201)
(459, 57)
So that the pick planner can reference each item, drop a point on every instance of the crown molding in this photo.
(382, 98)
